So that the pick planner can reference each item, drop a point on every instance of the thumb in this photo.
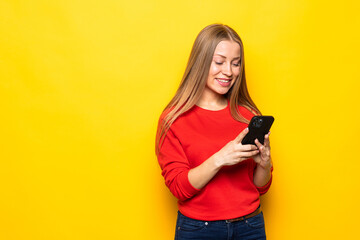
(240, 137)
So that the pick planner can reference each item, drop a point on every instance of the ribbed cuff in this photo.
(262, 190)
(187, 189)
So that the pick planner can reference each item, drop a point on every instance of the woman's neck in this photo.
(212, 102)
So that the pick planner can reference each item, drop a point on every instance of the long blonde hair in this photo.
(194, 80)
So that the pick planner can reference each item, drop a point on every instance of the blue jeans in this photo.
(251, 228)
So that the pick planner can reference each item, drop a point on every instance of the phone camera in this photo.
(257, 123)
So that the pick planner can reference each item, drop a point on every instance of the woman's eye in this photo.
(218, 63)
(236, 64)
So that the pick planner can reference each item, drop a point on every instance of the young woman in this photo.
(217, 180)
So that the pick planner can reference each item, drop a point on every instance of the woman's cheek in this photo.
(214, 69)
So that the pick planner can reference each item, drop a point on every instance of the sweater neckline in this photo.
(200, 109)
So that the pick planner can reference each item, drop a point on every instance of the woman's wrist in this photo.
(267, 167)
(217, 161)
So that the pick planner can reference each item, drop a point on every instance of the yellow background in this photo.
(82, 84)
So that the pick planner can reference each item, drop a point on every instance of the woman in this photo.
(217, 180)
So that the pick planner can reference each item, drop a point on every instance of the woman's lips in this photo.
(225, 82)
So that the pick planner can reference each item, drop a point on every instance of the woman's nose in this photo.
(226, 70)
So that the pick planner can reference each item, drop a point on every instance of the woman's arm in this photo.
(262, 174)
(232, 153)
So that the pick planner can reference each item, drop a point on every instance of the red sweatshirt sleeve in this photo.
(175, 167)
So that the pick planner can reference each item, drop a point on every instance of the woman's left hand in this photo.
(263, 158)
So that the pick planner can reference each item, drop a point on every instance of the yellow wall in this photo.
(82, 84)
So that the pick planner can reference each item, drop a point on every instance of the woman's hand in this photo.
(234, 152)
(263, 159)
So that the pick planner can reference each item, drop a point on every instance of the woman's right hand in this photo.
(234, 152)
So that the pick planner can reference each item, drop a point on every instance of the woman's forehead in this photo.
(227, 49)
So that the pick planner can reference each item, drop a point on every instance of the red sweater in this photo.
(194, 137)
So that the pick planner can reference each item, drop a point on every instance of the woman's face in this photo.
(224, 68)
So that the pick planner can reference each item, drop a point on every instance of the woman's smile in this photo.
(225, 82)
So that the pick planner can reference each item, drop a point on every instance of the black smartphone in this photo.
(259, 126)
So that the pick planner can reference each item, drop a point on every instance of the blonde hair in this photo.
(194, 80)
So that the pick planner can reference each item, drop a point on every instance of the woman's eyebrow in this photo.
(225, 57)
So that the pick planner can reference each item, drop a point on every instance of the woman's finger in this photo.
(258, 144)
(248, 147)
(264, 151)
(247, 154)
(240, 137)
(267, 140)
